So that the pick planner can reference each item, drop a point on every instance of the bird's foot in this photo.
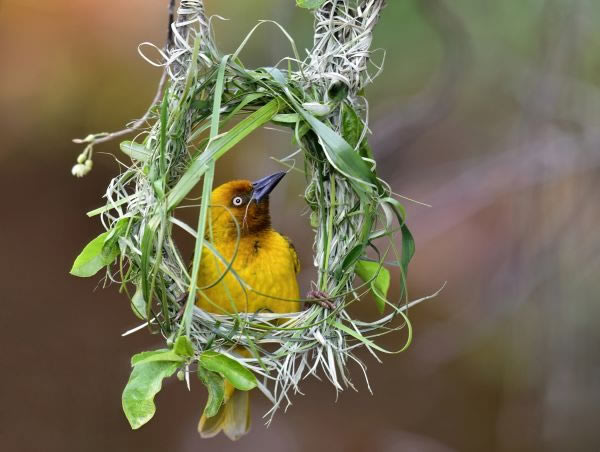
(321, 298)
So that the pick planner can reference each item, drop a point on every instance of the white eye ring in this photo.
(237, 201)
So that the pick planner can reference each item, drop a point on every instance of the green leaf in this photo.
(276, 75)
(186, 323)
(365, 150)
(140, 357)
(215, 385)
(118, 230)
(408, 242)
(135, 151)
(146, 249)
(398, 208)
(287, 118)
(163, 132)
(314, 219)
(339, 153)
(352, 128)
(218, 147)
(309, 4)
(408, 251)
(378, 278)
(144, 383)
(162, 355)
(337, 92)
(351, 125)
(94, 257)
(240, 377)
(249, 98)
(352, 256)
(183, 347)
(138, 304)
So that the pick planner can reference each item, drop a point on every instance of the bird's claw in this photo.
(321, 298)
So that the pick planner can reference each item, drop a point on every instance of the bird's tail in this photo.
(233, 417)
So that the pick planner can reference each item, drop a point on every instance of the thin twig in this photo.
(103, 138)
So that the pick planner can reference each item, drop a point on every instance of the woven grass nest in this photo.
(319, 99)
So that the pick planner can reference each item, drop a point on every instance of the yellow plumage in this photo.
(264, 264)
(264, 261)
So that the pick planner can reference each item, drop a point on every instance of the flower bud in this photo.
(79, 170)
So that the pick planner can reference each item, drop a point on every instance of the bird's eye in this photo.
(237, 201)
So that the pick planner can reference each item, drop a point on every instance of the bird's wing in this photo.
(292, 249)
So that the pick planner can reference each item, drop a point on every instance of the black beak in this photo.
(262, 187)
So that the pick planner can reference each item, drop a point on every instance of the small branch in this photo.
(105, 137)
(170, 23)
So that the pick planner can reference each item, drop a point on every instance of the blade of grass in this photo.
(163, 133)
(217, 147)
(186, 323)
(340, 154)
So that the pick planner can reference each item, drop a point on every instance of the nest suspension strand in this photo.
(320, 102)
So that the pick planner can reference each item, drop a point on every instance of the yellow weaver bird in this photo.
(265, 260)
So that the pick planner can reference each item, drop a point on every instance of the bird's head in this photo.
(246, 202)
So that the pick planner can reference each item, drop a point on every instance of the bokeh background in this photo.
(487, 110)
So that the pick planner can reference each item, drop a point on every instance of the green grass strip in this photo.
(206, 193)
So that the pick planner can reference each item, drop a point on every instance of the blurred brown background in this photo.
(487, 110)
